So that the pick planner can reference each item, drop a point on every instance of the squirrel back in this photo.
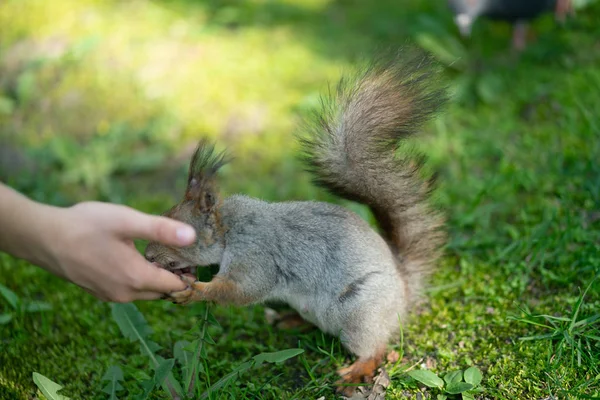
(352, 151)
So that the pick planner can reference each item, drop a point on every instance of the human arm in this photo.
(91, 245)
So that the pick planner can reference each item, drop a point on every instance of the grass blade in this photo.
(230, 377)
(578, 305)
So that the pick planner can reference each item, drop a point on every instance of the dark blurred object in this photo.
(516, 12)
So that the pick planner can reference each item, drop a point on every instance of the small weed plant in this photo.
(178, 376)
(456, 384)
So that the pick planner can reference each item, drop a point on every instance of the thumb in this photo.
(137, 225)
(157, 280)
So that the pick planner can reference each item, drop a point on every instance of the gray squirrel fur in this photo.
(322, 259)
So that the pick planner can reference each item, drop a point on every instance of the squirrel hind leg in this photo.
(293, 321)
(361, 371)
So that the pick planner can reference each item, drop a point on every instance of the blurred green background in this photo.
(105, 100)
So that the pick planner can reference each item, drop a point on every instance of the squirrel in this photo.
(322, 259)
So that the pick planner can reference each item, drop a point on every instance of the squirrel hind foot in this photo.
(361, 371)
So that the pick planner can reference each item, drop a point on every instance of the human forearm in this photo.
(24, 222)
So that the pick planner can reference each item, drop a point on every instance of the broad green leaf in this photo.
(190, 346)
(133, 325)
(277, 357)
(47, 387)
(473, 376)
(5, 318)
(453, 376)
(149, 345)
(467, 396)
(131, 322)
(163, 370)
(170, 384)
(190, 366)
(208, 339)
(458, 387)
(10, 296)
(113, 374)
(198, 350)
(37, 306)
(182, 353)
(140, 375)
(427, 378)
(212, 320)
(441, 397)
(111, 389)
(147, 387)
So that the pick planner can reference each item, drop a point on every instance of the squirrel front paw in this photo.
(190, 294)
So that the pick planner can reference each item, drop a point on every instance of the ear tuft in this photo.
(202, 175)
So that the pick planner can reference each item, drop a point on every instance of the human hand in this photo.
(91, 244)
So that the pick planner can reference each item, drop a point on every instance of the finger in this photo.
(189, 279)
(137, 225)
(149, 296)
(154, 279)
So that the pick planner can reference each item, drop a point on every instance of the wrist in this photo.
(45, 237)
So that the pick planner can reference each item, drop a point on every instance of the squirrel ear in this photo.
(210, 200)
(202, 176)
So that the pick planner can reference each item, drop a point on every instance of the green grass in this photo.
(104, 99)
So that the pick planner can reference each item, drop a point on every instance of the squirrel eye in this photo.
(173, 264)
(151, 259)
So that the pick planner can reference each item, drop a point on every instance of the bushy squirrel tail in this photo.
(356, 148)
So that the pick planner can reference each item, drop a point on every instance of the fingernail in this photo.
(186, 235)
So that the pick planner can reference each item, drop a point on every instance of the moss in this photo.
(106, 97)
